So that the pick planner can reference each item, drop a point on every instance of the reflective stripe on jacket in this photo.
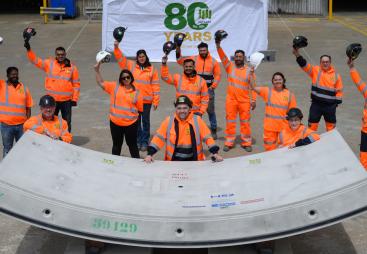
(14, 102)
(166, 134)
(277, 105)
(327, 85)
(238, 80)
(195, 88)
(146, 80)
(56, 128)
(208, 68)
(61, 82)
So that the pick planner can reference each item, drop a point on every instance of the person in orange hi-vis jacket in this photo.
(278, 100)
(239, 100)
(326, 90)
(208, 68)
(61, 82)
(295, 133)
(47, 123)
(183, 134)
(15, 108)
(362, 87)
(126, 103)
(147, 82)
(189, 84)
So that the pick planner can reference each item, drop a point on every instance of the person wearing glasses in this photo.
(125, 105)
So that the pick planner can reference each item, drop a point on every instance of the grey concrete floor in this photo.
(90, 119)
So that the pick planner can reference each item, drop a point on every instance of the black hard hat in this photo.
(168, 47)
(353, 50)
(294, 112)
(28, 33)
(220, 35)
(178, 39)
(118, 33)
(47, 101)
(300, 42)
(183, 99)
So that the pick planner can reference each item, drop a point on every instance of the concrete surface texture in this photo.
(90, 119)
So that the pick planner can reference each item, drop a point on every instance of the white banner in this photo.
(153, 22)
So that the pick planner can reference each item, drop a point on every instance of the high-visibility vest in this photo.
(327, 85)
(238, 80)
(56, 128)
(208, 68)
(194, 87)
(125, 104)
(146, 80)
(61, 82)
(288, 136)
(362, 87)
(13, 103)
(167, 134)
(277, 105)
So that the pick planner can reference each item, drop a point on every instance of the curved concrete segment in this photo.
(254, 198)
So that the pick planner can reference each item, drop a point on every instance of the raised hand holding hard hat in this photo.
(168, 47)
(27, 34)
(255, 59)
(353, 50)
(220, 35)
(178, 39)
(103, 57)
(299, 42)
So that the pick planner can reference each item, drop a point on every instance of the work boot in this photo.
(226, 148)
(247, 148)
(214, 133)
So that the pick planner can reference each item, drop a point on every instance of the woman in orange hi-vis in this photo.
(362, 87)
(125, 105)
(278, 100)
(239, 100)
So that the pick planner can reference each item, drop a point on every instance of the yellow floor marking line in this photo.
(350, 26)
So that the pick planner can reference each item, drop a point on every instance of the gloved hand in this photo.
(74, 103)
(198, 114)
(27, 45)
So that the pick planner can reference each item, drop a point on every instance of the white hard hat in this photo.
(256, 58)
(103, 56)
(1, 40)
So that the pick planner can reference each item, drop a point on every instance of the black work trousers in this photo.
(65, 108)
(319, 109)
(130, 133)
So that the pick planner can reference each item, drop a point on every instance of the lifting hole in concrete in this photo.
(312, 214)
(180, 186)
(179, 232)
(46, 212)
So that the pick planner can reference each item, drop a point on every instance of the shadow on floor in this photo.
(80, 140)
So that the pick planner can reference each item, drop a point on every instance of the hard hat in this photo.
(220, 35)
(28, 33)
(294, 112)
(1, 40)
(353, 50)
(255, 59)
(300, 42)
(118, 33)
(168, 47)
(183, 99)
(178, 39)
(103, 56)
(47, 101)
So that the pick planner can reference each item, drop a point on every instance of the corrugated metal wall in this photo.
(89, 3)
(315, 7)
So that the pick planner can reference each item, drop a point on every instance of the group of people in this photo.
(184, 133)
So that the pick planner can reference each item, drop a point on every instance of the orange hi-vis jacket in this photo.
(195, 88)
(125, 104)
(327, 85)
(208, 68)
(277, 105)
(166, 134)
(13, 103)
(238, 80)
(362, 87)
(61, 82)
(56, 128)
(146, 80)
(288, 136)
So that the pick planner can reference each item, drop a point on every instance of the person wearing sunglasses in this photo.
(126, 103)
